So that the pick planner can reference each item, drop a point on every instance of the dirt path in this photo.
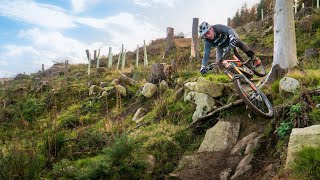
(209, 165)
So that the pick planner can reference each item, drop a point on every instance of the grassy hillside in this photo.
(59, 131)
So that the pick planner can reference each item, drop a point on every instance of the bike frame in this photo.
(235, 64)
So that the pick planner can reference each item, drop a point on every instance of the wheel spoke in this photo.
(253, 96)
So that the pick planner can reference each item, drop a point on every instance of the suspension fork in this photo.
(229, 73)
(248, 81)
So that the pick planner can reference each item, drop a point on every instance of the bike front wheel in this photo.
(253, 97)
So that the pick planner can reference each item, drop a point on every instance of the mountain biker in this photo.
(221, 36)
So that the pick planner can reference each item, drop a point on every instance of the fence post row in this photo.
(89, 59)
(66, 68)
(110, 58)
(295, 6)
(145, 53)
(195, 38)
(137, 56)
(123, 59)
(98, 59)
(119, 58)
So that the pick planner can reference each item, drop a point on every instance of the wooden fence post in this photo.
(66, 68)
(169, 41)
(295, 6)
(145, 53)
(95, 55)
(110, 58)
(137, 56)
(119, 58)
(123, 59)
(195, 39)
(98, 59)
(89, 59)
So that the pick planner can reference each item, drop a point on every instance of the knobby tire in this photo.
(267, 111)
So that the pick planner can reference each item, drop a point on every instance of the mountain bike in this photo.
(241, 73)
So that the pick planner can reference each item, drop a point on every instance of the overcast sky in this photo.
(35, 32)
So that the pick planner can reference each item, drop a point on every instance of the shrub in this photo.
(187, 140)
(315, 116)
(30, 108)
(21, 164)
(120, 161)
(54, 146)
(166, 153)
(284, 129)
(91, 139)
(6, 114)
(70, 119)
(176, 109)
(307, 163)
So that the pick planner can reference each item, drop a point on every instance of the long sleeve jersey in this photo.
(221, 39)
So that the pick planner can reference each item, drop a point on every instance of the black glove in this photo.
(203, 70)
(233, 41)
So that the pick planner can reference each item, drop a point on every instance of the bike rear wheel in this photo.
(253, 97)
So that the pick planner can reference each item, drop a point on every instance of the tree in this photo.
(267, 6)
(236, 20)
(285, 51)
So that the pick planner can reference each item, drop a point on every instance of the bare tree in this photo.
(285, 51)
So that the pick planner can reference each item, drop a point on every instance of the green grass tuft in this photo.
(307, 163)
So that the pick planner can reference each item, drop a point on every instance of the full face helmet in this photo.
(203, 28)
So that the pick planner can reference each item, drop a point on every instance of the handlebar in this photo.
(225, 52)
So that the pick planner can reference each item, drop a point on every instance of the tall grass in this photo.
(307, 163)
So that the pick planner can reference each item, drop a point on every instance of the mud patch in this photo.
(208, 165)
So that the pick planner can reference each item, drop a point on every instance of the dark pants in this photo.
(240, 44)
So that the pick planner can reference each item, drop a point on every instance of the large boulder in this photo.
(220, 137)
(241, 171)
(252, 145)
(139, 114)
(204, 104)
(243, 143)
(94, 89)
(178, 94)
(302, 137)
(163, 86)
(289, 86)
(187, 160)
(148, 90)
(207, 87)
